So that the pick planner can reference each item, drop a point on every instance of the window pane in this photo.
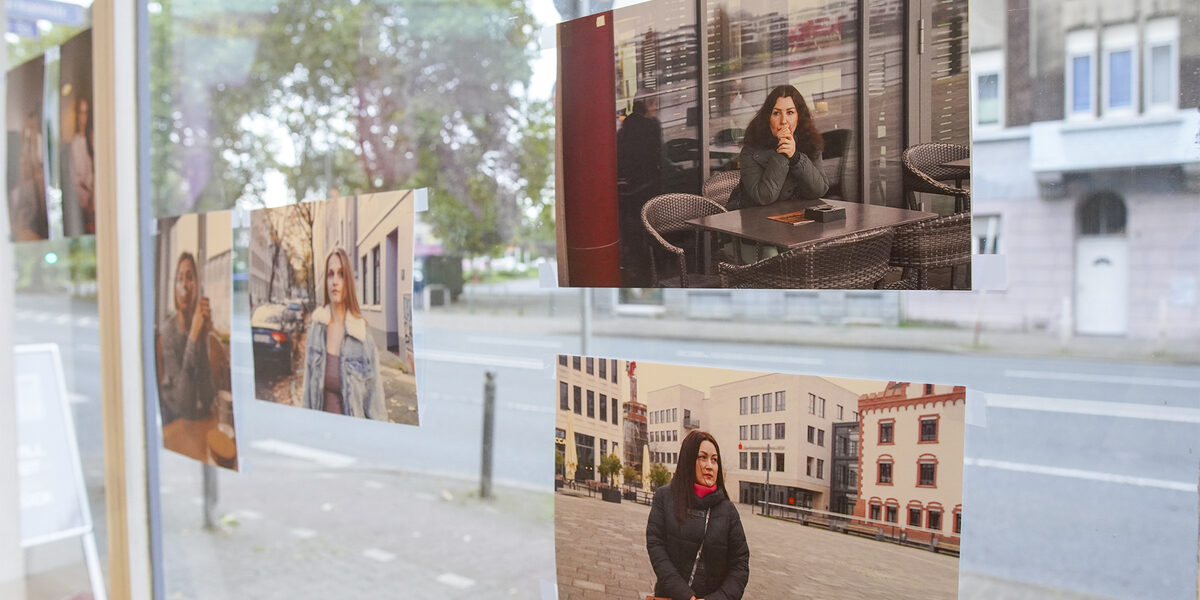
(1120, 79)
(987, 109)
(1081, 84)
(1160, 74)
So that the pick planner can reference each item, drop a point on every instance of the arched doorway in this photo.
(1101, 266)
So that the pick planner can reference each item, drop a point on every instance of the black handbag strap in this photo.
(700, 550)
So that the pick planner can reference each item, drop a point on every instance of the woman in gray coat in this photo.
(781, 158)
(341, 362)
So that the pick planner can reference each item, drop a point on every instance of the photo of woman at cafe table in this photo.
(778, 168)
(191, 341)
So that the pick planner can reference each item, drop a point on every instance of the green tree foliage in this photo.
(355, 96)
(610, 465)
(632, 477)
(659, 476)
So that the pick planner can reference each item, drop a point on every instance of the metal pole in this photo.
(586, 321)
(489, 426)
(210, 496)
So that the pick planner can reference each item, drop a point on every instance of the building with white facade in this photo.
(589, 411)
(911, 458)
(671, 413)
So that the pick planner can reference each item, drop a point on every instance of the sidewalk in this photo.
(906, 337)
(291, 529)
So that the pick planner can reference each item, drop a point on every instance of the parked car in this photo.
(273, 329)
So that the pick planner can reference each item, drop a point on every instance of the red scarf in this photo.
(704, 491)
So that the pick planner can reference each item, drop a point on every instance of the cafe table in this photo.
(753, 224)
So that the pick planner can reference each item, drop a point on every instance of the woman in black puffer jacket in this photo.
(695, 508)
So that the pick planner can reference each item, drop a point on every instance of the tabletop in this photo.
(752, 223)
(962, 163)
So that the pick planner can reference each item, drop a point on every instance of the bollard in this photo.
(210, 496)
(489, 426)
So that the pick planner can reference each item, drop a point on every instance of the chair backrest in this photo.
(837, 143)
(941, 242)
(667, 213)
(923, 170)
(851, 262)
(720, 186)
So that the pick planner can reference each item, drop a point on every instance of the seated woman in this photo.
(781, 158)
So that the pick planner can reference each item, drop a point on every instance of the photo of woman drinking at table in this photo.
(781, 158)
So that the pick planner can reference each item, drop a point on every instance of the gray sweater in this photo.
(768, 177)
(186, 387)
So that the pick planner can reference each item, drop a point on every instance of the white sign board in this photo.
(53, 498)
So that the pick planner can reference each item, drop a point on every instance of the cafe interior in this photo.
(888, 89)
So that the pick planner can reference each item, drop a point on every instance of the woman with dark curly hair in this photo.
(694, 535)
(781, 157)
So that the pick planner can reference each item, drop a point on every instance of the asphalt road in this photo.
(1081, 475)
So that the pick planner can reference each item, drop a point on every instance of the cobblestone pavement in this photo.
(601, 550)
(292, 529)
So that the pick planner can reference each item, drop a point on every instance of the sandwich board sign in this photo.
(54, 504)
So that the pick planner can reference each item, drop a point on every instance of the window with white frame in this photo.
(1161, 79)
(1080, 73)
(987, 87)
(1120, 75)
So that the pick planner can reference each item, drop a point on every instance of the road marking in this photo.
(1098, 408)
(489, 360)
(248, 515)
(533, 408)
(379, 555)
(372, 485)
(74, 398)
(302, 533)
(750, 357)
(1175, 486)
(62, 319)
(455, 580)
(321, 457)
(479, 339)
(1098, 378)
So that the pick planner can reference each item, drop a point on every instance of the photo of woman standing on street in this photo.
(694, 535)
(341, 373)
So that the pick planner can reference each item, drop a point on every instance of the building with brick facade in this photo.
(911, 459)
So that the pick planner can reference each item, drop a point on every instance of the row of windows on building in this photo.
(671, 435)
(666, 415)
(927, 430)
(664, 457)
(1103, 73)
(608, 406)
(607, 367)
(752, 405)
(926, 470)
(928, 517)
(760, 461)
(762, 432)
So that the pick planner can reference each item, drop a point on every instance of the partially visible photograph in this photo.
(26, 168)
(193, 303)
(713, 483)
(331, 306)
(77, 161)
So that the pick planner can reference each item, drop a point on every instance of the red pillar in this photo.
(589, 158)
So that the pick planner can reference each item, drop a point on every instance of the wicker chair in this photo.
(719, 187)
(837, 143)
(666, 215)
(932, 244)
(923, 172)
(854, 261)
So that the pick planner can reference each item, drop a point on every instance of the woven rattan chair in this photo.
(850, 262)
(837, 143)
(665, 215)
(719, 187)
(923, 172)
(932, 244)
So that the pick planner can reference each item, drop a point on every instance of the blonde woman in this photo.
(341, 372)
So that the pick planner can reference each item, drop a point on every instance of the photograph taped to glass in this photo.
(193, 311)
(713, 135)
(331, 306)
(859, 480)
(77, 150)
(26, 139)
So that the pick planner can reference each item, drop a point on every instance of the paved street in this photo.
(601, 549)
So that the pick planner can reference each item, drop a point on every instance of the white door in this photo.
(1101, 285)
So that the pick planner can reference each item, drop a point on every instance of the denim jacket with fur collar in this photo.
(362, 388)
